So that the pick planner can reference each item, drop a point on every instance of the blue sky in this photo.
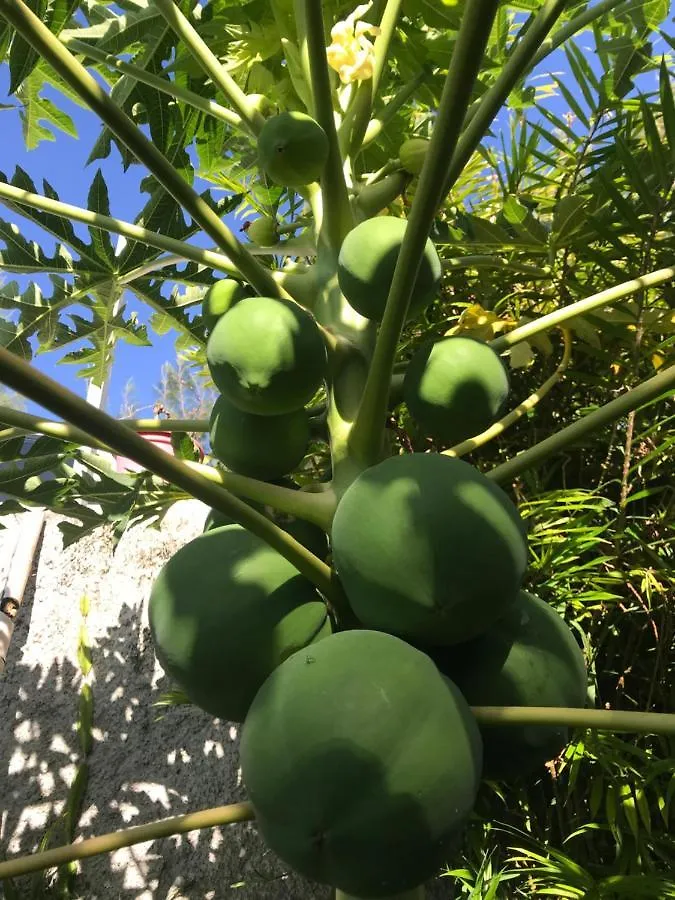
(62, 163)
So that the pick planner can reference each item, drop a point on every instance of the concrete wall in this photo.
(142, 767)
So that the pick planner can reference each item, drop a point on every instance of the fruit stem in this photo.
(366, 436)
(417, 893)
(127, 837)
(517, 64)
(337, 214)
(209, 62)
(18, 374)
(50, 48)
(649, 390)
(210, 107)
(614, 720)
(525, 407)
(565, 313)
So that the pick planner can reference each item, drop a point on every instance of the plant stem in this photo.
(492, 101)
(596, 719)
(366, 437)
(565, 313)
(662, 383)
(337, 214)
(525, 407)
(575, 25)
(29, 26)
(317, 508)
(183, 251)
(368, 90)
(18, 374)
(387, 113)
(210, 63)
(210, 107)
(127, 837)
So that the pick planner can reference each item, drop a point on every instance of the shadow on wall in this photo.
(146, 762)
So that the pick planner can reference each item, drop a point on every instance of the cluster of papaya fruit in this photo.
(360, 752)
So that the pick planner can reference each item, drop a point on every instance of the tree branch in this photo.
(137, 834)
(489, 105)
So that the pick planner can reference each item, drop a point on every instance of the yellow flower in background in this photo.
(351, 54)
(484, 325)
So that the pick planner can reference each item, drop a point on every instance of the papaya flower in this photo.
(351, 54)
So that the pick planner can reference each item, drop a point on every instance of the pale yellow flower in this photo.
(351, 54)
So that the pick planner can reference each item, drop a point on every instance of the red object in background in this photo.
(161, 439)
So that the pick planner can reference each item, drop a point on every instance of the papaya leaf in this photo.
(40, 118)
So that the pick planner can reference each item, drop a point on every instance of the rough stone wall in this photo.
(147, 762)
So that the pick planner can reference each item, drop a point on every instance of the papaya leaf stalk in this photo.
(595, 301)
(649, 390)
(127, 837)
(210, 107)
(50, 48)
(337, 215)
(209, 258)
(209, 62)
(518, 63)
(366, 436)
(487, 716)
(317, 508)
(18, 374)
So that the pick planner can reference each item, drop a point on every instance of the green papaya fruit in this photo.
(455, 388)
(263, 231)
(529, 657)
(412, 154)
(362, 763)
(264, 447)
(292, 149)
(428, 548)
(366, 264)
(224, 612)
(220, 297)
(267, 356)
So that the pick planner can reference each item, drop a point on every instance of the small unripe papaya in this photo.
(292, 149)
(261, 104)
(412, 154)
(263, 231)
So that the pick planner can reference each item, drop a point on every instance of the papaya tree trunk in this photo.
(417, 893)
